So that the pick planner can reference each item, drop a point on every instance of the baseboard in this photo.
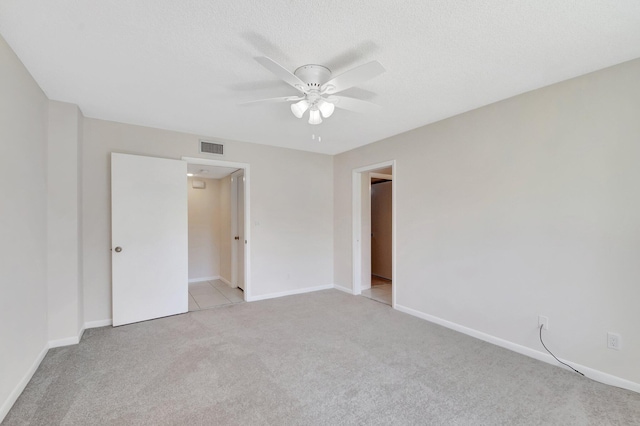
(346, 290)
(290, 292)
(197, 280)
(99, 323)
(80, 333)
(67, 341)
(226, 281)
(74, 340)
(380, 276)
(13, 396)
(589, 372)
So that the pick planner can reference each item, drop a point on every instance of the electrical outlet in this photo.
(543, 321)
(614, 341)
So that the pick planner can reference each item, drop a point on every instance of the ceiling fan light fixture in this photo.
(299, 108)
(314, 82)
(326, 108)
(314, 116)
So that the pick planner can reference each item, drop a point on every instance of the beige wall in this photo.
(381, 242)
(291, 209)
(528, 206)
(205, 229)
(23, 207)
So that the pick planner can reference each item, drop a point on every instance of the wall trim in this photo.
(290, 292)
(17, 391)
(381, 176)
(226, 281)
(67, 341)
(99, 323)
(197, 280)
(380, 276)
(589, 372)
(345, 289)
(57, 343)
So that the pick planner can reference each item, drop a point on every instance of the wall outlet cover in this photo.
(543, 321)
(614, 341)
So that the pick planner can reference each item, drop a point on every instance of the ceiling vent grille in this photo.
(208, 147)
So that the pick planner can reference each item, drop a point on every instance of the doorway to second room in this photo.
(211, 237)
(380, 202)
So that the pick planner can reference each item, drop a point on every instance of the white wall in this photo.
(64, 245)
(23, 218)
(291, 209)
(205, 229)
(528, 206)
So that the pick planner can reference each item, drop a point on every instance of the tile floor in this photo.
(380, 290)
(209, 294)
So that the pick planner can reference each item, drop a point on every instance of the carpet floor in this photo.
(323, 358)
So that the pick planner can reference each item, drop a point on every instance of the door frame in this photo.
(247, 214)
(356, 204)
(234, 225)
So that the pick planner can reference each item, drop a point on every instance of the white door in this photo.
(148, 237)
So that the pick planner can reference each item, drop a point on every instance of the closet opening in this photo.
(380, 202)
(216, 235)
(374, 232)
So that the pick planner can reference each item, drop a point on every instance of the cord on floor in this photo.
(564, 363)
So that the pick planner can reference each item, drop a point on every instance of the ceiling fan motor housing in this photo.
(314, 75)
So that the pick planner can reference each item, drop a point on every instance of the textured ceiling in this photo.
(184, 65)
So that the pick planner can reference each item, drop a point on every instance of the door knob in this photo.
(236, 238)
(118, 249)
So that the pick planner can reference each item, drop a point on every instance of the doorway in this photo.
(228, 281)
(380, 197)
(150, 268)
(374, 195)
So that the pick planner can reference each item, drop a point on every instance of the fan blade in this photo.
(353, 104)
(282, 73)
(352, 77)
(274, 100)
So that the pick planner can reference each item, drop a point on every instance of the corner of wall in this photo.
(64, 222)
(22, 384)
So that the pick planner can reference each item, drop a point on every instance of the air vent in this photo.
(207, 147)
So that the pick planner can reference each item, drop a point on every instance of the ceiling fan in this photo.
(318, 88)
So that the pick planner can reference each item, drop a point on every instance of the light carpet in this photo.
(323, 358)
